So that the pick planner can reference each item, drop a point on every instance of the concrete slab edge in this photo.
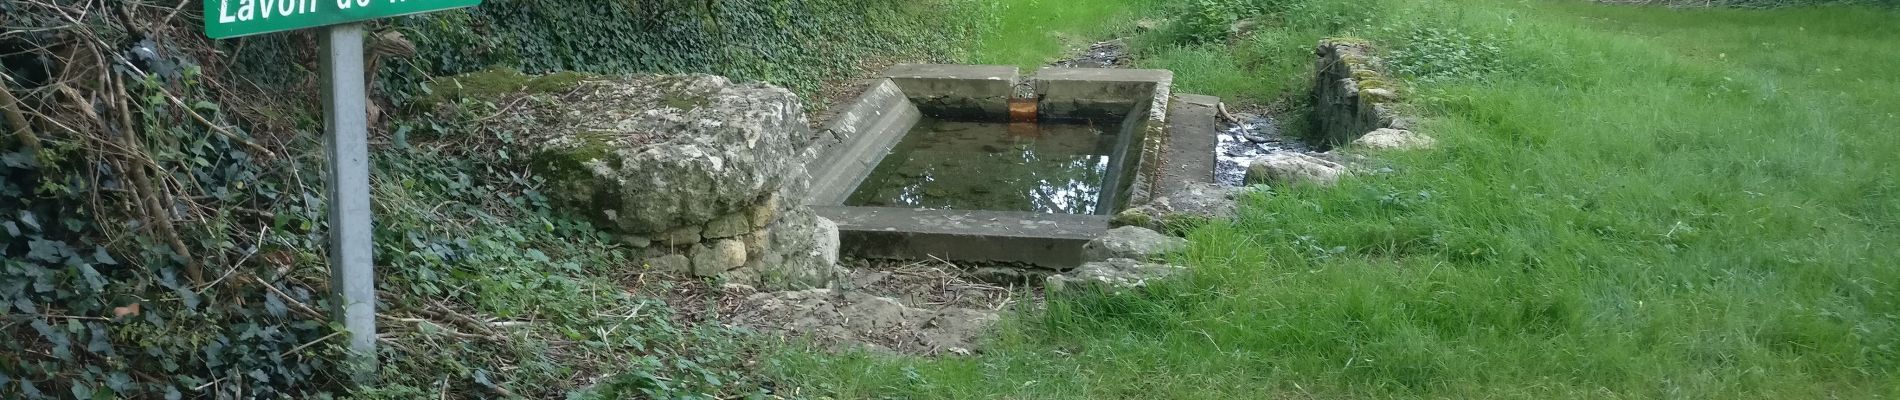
(1048, 240)
(857, 139)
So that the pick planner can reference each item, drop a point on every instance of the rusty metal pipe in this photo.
(1022, 110)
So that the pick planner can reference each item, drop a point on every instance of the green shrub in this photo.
(1433, 54)
(1209, 70)
(1209, 21)
(1206, 21)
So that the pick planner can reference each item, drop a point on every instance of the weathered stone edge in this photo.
(1350, 67)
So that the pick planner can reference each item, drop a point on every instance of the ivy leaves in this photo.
(96, 307)
(47, 266)
(798, 44)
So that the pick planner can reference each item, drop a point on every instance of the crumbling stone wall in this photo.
(695, 173)
(1351, 94)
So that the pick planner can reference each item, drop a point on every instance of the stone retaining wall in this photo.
(1352, 95)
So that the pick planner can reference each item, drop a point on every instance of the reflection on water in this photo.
(1048, 167)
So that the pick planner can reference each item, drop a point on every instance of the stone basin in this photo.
(927, 163)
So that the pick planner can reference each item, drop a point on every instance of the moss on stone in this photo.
(1369, 79)
(684, 101)
(1132, 217)
(1356, 61)
(557, 81)
(495, 83)
(567, 166)
(1369, 84)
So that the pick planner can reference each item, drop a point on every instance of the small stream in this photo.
(1254, 136)
(1109, 54)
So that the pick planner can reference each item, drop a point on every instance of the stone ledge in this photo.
(1067, 91)
(857, 139)
(1352, 93)
(1112, 276)
(1048, 240)
(971, 92)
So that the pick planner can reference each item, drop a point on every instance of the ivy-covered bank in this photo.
(792, 43)
(161, 206)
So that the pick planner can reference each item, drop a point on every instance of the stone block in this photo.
(681, 236)
(1131, 242)
(670, 263)
(723, 255)
(730, 225)
(1111, 276)
(646, 153)
(1294, 169)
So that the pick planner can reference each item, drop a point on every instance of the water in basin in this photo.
(1069, 167)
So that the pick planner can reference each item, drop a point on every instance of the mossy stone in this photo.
(495, 83)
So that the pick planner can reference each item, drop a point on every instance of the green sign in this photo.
(232, 18)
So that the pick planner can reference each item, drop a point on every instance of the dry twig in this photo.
(219, 129)
(1222, 108)
(158, 214)
(298, 305)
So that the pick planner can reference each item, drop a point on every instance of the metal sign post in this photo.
(345, 139)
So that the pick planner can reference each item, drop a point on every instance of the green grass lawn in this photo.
(1626, 202)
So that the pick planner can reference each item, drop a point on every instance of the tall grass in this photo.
(1754, 3)
(1637, 202)
(1272, 62)
(1031, 33)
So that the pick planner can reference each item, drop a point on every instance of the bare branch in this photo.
(10, 108)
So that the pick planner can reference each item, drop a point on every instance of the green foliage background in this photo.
(793, 43)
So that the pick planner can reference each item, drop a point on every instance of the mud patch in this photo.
(1109, 54)
(936, 284)
(916, 308)
(842, 319)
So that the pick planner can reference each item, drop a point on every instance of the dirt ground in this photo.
(920, 308)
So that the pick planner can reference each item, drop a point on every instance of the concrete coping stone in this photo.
(1105, 75)
(1019, 224)
(1103, 84)
(1051, 241)
(858, 139)
(1192, 141)
(957, 91)
(951, 71)
(881, 98)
